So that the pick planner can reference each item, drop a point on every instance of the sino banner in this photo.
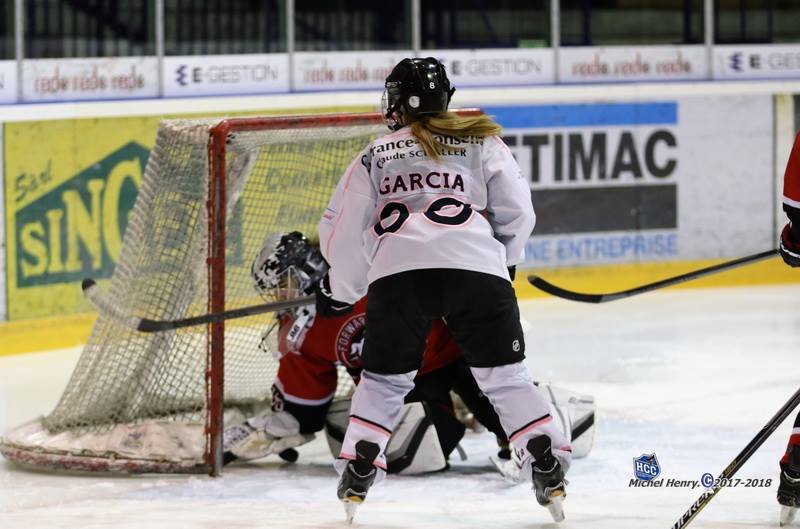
(69, 186)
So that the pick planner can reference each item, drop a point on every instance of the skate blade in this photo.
(351, 503)
(787, 515)
(556, 506)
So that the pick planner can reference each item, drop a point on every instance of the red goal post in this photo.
(216, 261)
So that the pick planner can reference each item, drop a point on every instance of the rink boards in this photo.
(630, 185)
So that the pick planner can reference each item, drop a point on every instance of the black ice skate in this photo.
(789, 487)
(548, 477)
(358, 477)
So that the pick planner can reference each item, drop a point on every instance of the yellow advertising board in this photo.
(69, 187)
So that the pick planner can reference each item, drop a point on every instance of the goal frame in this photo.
(216, 208)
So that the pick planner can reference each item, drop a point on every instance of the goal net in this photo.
(213, 193)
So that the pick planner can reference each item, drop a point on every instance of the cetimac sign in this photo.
(629, 181)
(613, 165)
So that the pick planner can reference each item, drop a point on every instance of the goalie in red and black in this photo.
(313, 341)
(789, 247)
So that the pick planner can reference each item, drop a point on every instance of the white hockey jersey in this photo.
(396, 210)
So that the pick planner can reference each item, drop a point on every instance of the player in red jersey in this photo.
(789, 247)
(313, 341)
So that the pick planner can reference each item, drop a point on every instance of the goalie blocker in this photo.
(425, 437)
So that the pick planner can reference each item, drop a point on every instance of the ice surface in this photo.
(691, 375)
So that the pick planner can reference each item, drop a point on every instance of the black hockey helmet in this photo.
(415, 86)
(292, 263)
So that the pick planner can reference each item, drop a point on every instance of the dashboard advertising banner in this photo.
(89, 79)
(645, 181)
(225, 74)
(742, 61)
(344, 70)
(498, 67)
(8, 82)
(641, 63)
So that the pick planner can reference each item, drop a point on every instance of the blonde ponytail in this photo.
(452, 125)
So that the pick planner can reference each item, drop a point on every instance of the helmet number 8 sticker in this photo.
(399, 213)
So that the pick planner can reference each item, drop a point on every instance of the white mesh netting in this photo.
(136, 401)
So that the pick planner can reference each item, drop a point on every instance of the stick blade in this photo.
(106, 306)
(350, 510)
(553, 290)
(556, 508)
(145, 325)
(787, 515)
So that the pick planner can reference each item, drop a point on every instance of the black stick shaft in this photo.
(557, 291)
(147, 325)
(738, 461)
(108, 307)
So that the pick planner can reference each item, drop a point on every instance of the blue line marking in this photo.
(583, 115)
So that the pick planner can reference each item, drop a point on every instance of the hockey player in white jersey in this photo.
(428, 220)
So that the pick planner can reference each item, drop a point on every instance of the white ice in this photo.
(691, 375)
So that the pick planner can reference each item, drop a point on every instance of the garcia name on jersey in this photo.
(396, 210)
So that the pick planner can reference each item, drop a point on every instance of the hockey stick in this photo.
(107, 307)
(738, 461)
(554, 290)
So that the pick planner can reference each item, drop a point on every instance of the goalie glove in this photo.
(327, 307)
(789, 250)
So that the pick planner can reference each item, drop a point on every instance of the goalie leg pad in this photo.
(415, 446)
(575, 414)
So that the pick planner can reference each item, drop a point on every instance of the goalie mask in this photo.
(289, 268)
(415, 87)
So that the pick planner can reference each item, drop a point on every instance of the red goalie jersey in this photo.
(789, 243)
(311, 347)
(791, 178)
